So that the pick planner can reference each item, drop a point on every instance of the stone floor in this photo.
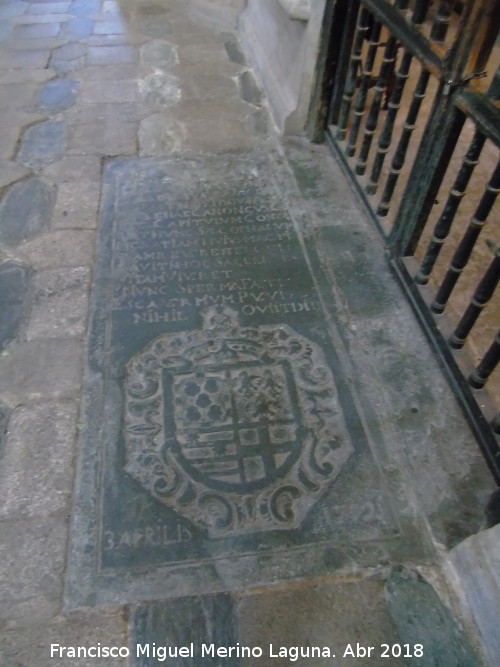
(106, 105)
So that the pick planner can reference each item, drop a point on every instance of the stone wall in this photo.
(281, 41)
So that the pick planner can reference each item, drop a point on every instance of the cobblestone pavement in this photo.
(81, 83)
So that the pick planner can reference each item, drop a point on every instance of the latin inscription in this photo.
(184, 258)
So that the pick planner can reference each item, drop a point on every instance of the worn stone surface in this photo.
(68, 58)
(16, 94)
(109, 138)
(10, 172)
(73, 169)
(159, 134)
(41, 369)
(15, 281)
(23, 645)
(158, 53)
(60, 300)
(188, 623)
(32, 554)
(476, 562)
(35, 475)
(64, 247)
(196, 291)
(57, 95)
(43, 143)
(4, 420)
(399, 493)
(25, 210)
(328, 614)
(159, 90)
(76, 205)
(418, 613)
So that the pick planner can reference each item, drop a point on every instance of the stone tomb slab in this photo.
(221, 446)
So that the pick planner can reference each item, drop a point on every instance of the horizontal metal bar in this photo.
(411, 38)
(482, 111)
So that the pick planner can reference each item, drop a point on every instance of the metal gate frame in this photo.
(453, 67)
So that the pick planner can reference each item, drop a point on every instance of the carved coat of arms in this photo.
(236, 429)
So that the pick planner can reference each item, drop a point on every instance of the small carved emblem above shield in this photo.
(238, 429)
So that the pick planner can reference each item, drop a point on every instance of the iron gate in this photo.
(410, 101)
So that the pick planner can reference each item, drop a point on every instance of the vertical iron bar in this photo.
(380, 87)
(341, 21)
(366, 78)
(447, 216)
(480, 375)
(400, 154)
(420, 11)
(495, 423)
(466, 245)
(352, 74)
(482, 295)
(393, 107)
(442, 21)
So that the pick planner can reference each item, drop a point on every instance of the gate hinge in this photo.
(450, 84)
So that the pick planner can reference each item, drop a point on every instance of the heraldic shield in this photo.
(236, 429)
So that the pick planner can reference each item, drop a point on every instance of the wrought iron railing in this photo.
(412, 93)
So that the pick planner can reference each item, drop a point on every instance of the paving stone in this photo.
(30, 644)
(76, 205)
(41, 369)
(32, 554)
(159, 90)
(198, 85)
(109, 72)
(85, 7)
(69, 58)
(5, 30)
(4, 420)
(333, 615)
(110, 138)
(37, 45)
(249, 89)
(35, 59)
(155, 26)
(43, 143)
(228, 131)
(24, 76)
(60, 303)
(161, 135)
(65, 247)
(78, 27)
(109, 27)
(420, 616)
(234, 52)
(12, 9)
(15, 279)
(36, 30)
(37, 458)
(49, 7)
(74, 168)
(102, 91)
(8, 142)
(19, 118)
(187, 623)
(158, 53)
(10, 172)
(37, 19)
(110, 55)
(122, 39)
(57, 95)
(121, 112)
(26, 210)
